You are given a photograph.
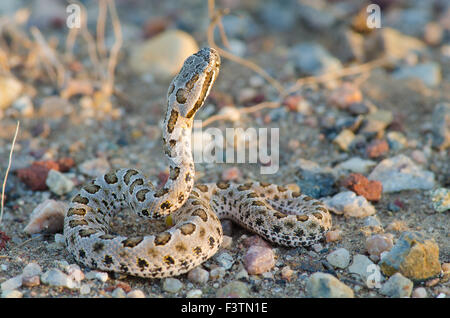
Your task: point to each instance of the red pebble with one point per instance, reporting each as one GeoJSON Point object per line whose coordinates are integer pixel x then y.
{"type": "Point", "coordinates": [370, 189]}
{"type": "Point", "coordinates": [255, 240]}
{"type": "Point", "coordinates": [377, 148]}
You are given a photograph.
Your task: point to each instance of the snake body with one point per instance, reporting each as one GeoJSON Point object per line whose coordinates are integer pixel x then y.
{"type": "Point", "coordinates": [277, 213]}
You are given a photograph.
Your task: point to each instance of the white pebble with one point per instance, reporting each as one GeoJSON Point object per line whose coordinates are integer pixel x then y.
{"type": "Point", "coordinates": [172, 285]}
{"type": "Point", "coordinates": [48, 216]}
{"type": "Point", "coordinates": [225, 260]}
{"type": "Point", "coordinates": [101, 276]}
{"type": "Point", "coordinates": [85, 289]}
{"type": "Point", "coordinates": [226, 242]}
{"type": "Point", "coordinates": [58, 182]}
{"type": "Point", "coordinates": [75, 273]}
{"type": "Point", "coordinates": [12, 283]}
{"type": "Point", "coordinates": [11, 294]}
{"type": "Point", "coordinates": [419, 292]}
{"type": "Point", "coordinates": [339, 258]}
{"type": "Point", "coordinates": [54, 277]}
{"type": "Point", "coordinates": [136, 294]}
{"type": "Point", "coordinates": [118, 293]}
{"type": "Point", "coordinates": [32, 269]}
{"type": "Point", "coordinates": [195, 293]}
{"type": "Point", "coordinates": [217, 273]}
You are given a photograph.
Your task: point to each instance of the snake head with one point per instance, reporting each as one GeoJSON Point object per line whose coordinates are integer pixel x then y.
{"type": "Point", "coordinates": [192, 84]}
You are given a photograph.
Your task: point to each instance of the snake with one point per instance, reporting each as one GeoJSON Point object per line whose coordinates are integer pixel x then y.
{"type": "Point", "coordinates": [277, 213]}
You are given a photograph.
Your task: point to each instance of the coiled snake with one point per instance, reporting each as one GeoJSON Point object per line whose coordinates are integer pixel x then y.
{"type": "Point", "coordinates": [276, 213]}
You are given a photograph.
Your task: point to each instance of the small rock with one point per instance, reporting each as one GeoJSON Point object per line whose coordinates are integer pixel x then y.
{"type": "Point", "coordinates": [48, 217]}
{"type": "Point", "coordinates": [11, 294]}
{"type": "Point", "coordinates": [314, 17]}
{"type": "Point", "coordinates": [397, 286]}
{"type": "Point", "coordinates": [226, 242]}
{"type": "Point", "coordinates": [419, 292]}
{"type": "Point", "coordinates": [235, 289]}
{"type": "Point", "coordinates": [396, 140]}
{"type": "Point", "coordinates": [10, 89]}
{"type": "Point", "coordinates": [349, 204]}
{"type": "Point", "coordinates": [315, 184]}
{"type": "Point", "coordinates": [345, 95]}
{"type": "Point", "coordinates": [231, 174]}
{"type": "Point", "coordinates": [359, 184]}
{"type": "Point", "coordinates": [379, 243]}
{"type": "Point", "coordinates": [255, 240]}
{"type": "Point", "coordinates": [433, 34]}
{"type": "Point", "coordinates": [59, 239]}
{"type": "Point", "coordinates": [163, 55]}
{"type": "Point", "coordinates": [400, 173]}
{"type": "Point", "coordinates": [372, 221]}
{"type": "Point", "coordinates": [348, 46]}
{"type": "Point", "coordinates": [377, 148]}
{"type": "Point", "coordinates": [217, 272]}
{"type": "Point", "coordinates": [198, 275]}
{"type": "Point", "coordinates": [377, 122]}
{"type": "Point", "coordinates": [344, 139]}
{"type": "Point", "coordinates": [58, 183]}
{"type": "Point", "coordinates": [322, 285]}
{"type": "Point", "coordinates": [259, 259]}
{"type": "Point", "coordinates": [75, 273]}
{"type": "Point", "coordinates": [194, 293]}
{"type": "Point", "coordinates": [85, 289]}
{"type": "Point", "coordinates": [100, 276]}
{"type": "Point", "coordinates": [313, 59]}
{"type": "Point", "coordinates": [12, 283]}
{"type": "Point", "coordinates": [339, 258]}
{"type": "Point", "coordinates": [137, 293]}
{"type": "Point", "coordinates": [333, 236]}
{"type": "Point", "coordinates": [225, 260]}
{"type": "Point", "coordinates": [242, 274]}
{"type": "Point", "coordinates": [31, 281]}
{"type": "Point", "coordinates": [441, 199]}
{"type": "Point", "coordinates": [429, 73]}
{"type": "Point", "coordinates": [357, 165]}
{"type": "Point", "coordinates": [95, 167]}
{"type": "Point", "coordinates": [24, 106]}
{"type": "Point", "coordinates": [287, 273]}
{"type": "Point", "coordinates": [54, 277]}
{"type": "Point", "coordinates": [414, 255]}
{"type": "Point", "coordinates": [441, 126]}
{"type": "Point", "coordinates": [32, 269]}
{"type": "Point", "coordinates": [419, 156]}
{"type": "Point", "coordinates": [172, 285]}
{"type": "Point", "coordinates": [118, 293]}
{"type": "Point", "coordinates": [54, 107]}
{"type": "Point", "coordinates": [360, 266]}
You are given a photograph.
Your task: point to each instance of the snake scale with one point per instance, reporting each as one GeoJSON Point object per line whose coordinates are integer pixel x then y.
{"type": "Point", "coordinates": [280, 215]}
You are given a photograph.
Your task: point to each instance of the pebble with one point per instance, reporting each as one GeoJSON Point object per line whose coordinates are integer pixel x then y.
{"type": "Point", "coordinates": [377, 122]}
{"type": "Point", "coordinates": [370, 189]}
{"type": "Point", "coordinates": [315, 184]}
{"type": "Point", "coordinates": [397, 286]}
{"type": "Point", "coordinates": [441, 126]}
{"type": "Point", "coordinates": [172, 285]}
{"type": "Point", "coordinates": [345, 95]}
{"type": "Point", "coordinates": [315, 18]}
{"type": "Point", "coordinates": [314, 59]}
{"type": "Point", "coordinates": [322, 285]}
{"type": "Point", "coordinates": [419, 156]}
{"type": "Point", "coordinates": [194, 293]}
{"type": "Point", "coordinates": [379, 243]}
{"type": "Point", "coordinates": [226, 242]}
{"type": "Point", "coordinates": [217, 273]}
{"type": "Point", "coordinates": [242, 274]}
{"type": "Point", "coordinates": [54, 277]}
{"type": "Point", "coordinates": [339, 258]}
{"type": "Point", "coordinates": [429, 73]}
{"type": "Point", "coordinates": [59, 183]}
{"type": "Point", "coordinates": [440, 199]}
{"type": "Point", "coordinates": [333, 236]}
{"type": "Point", "coordinates": [85, 289]}
{"type": "Point", "coordinates": [100, 276]}
{"type": "Point", "coordinates": [11, 294]}
{"type": "Point", "coordinates": [31, 269]}
{"type": "Point", "coordinates": [348, 45]}
{"type": "Point", "coordinates": [75, 273]}
{"type": "Point", "coordinates": [344, 139]}
{"type": "Point", "coordinates": [95, 167]}
{"type": "Point", "coordinates": [12, 283]}
{"type": "Point", "coordinates": [137, 293]}
{"type": "Point", "coordinates": [372, 221]}
{"type": "Point", "coordinates": [414, 255]}
{"type": "Point", "coordinates": [198, 275]}
{"type": "Point", "coordinates": [59, 239]}
{"type": "Point", "coordinates": [118, 293]}
{"type": "Point", "coordinates": [349, 204]}
{"type": "Point", "coordinates": [259, 260]}
{"type": "Point", "coordinates": [31, 281]}
{"type": "Point", "coordinates": [401, 173]}
{"type": "Point", "coordinates": [54, 107]}
{"type": "Point", "coordinates": [377, 148]}
{"type": "Point", "coordinates": [396, 140]}
{"type": "Point", "coordinates": [163, 55]}
{"type": "Point", "coordinates": [419, 292]}
{"type": "Point", "coordinates": [278, 17]}
{"type": "Point", "coordinates": [234, 289]}
{"type": "Point", "coordinates": [360, 266]}
{"type": "Point", "coordinates": [357, 165]}
{"type": "Point", "coordinates": [225, 260]}
{"type": "Point", "coordinates": [10, 89]}
{"type": "Point", "coordinates": [24, 106]}
{"type": "Point", "coordinates": [48, 217]}
{"type": "Point", "coordinates": [231, 174]}
{"type": "Point", "coordinates": [287, 273]}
